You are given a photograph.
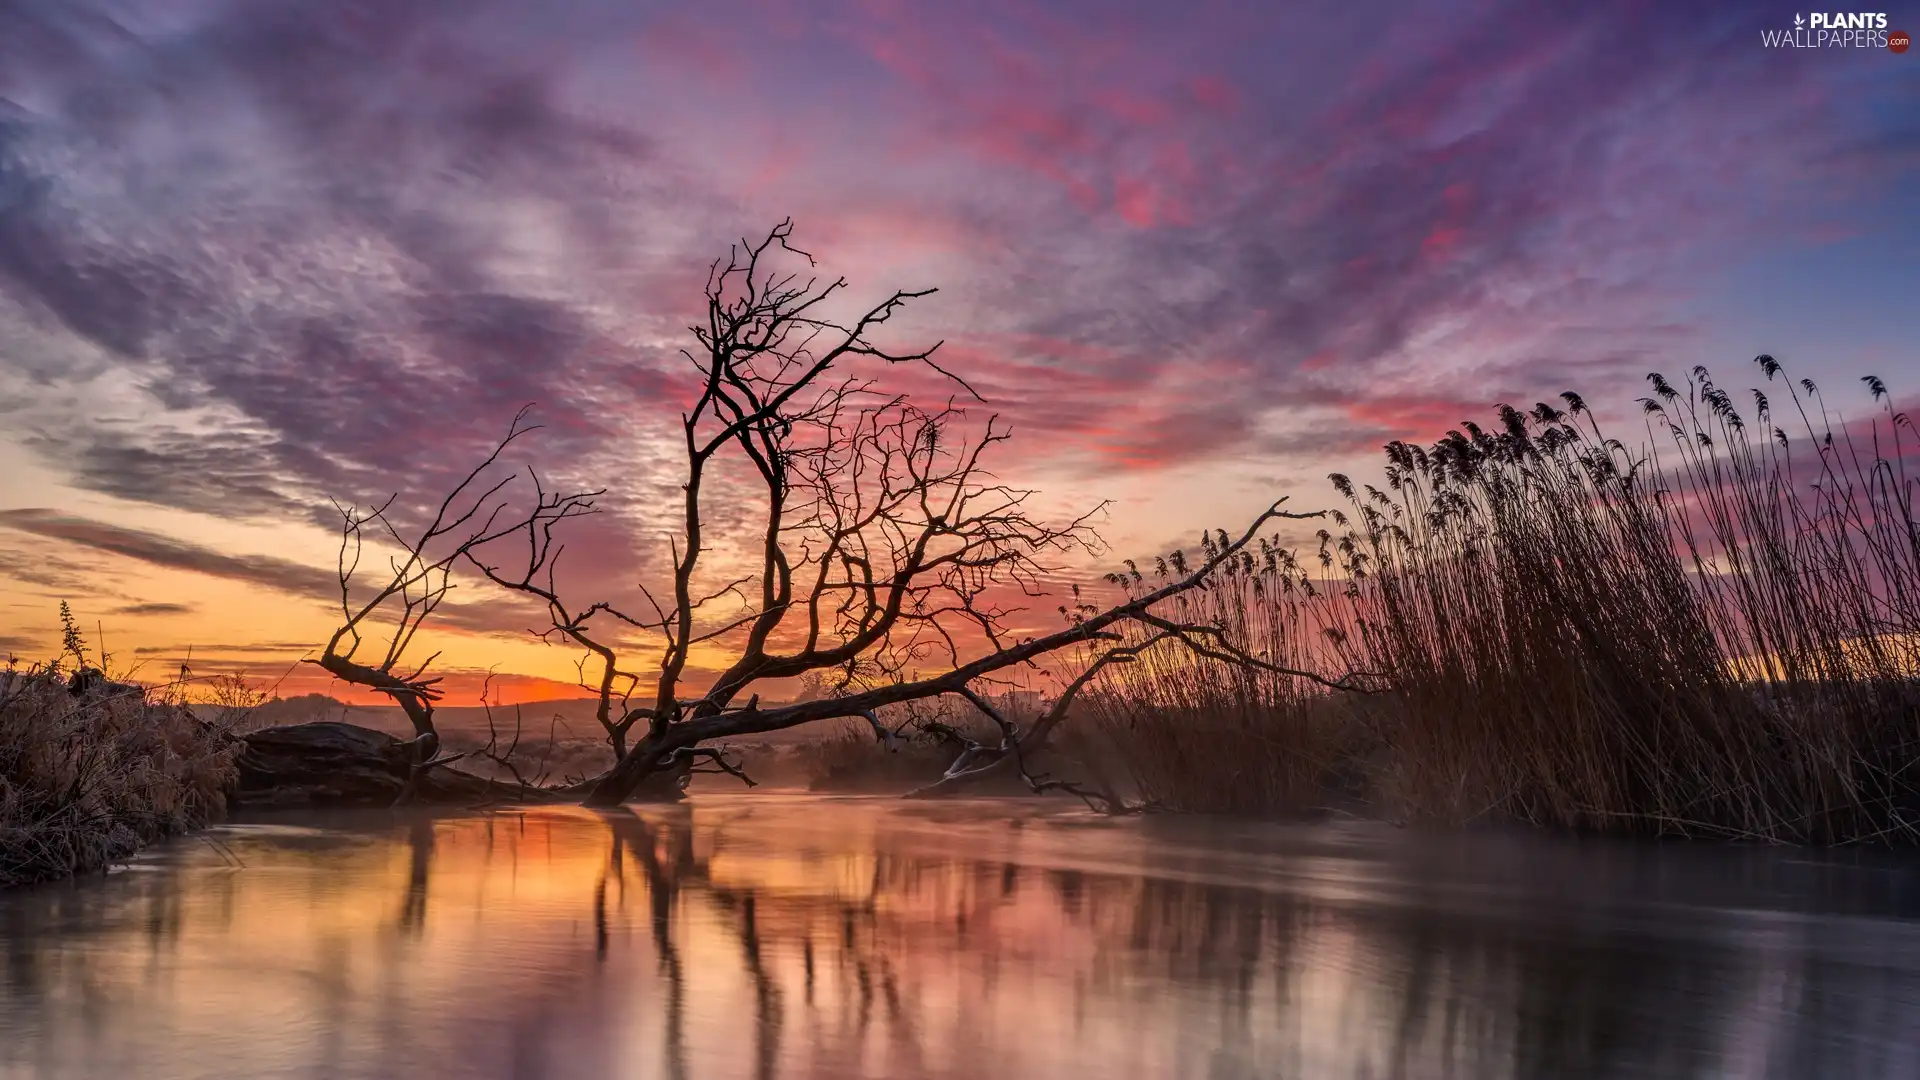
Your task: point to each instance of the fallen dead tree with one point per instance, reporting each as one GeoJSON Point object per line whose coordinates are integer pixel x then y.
{"type": "Point", "coordinates": [330, 763]}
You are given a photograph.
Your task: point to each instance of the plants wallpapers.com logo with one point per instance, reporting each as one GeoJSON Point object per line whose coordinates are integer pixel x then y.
{"type": "Point", "coordinates": [1838, 29]}
{"type": "Point", "coordinates": [1842, 30]}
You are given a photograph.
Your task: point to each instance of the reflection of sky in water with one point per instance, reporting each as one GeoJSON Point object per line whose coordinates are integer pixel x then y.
{"type": "Point", "coordinates": [860, 938]}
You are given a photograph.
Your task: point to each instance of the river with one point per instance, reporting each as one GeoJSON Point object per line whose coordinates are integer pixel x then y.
{"type": "Point", "coordinates": [813, 937]}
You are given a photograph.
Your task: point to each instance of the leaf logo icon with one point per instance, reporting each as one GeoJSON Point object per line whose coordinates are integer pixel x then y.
{"type": "Point", "coordinates": [1798, 21]}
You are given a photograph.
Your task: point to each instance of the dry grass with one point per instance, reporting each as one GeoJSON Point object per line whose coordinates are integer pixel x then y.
{"type": "Point", "coordinates": [1207, 736]}
{"type": "Point", "coordinates": [847, 758]}
{"type": "Point", "coordinates": [1716, 635]}
{"type": "Point", "coordinates": [87, 779]}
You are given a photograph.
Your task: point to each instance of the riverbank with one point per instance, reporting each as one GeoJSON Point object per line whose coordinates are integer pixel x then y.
{"type": "Point", "coordinates": [93, 770]}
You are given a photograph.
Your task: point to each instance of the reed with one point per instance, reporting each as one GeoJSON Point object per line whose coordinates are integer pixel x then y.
{"type": "Point", "coordinates": [1713, 633]}
{"type": "Point", "coordinates": [1207, 735]}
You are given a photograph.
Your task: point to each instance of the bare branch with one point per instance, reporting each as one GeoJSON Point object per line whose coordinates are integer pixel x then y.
{"type": "Point", "coordinates": [714, 755]}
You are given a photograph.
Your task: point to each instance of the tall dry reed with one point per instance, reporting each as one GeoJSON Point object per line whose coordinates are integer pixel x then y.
{"type": "Point", "coordinates": [1717, 633]}
{"type": "Point", "coordinates": [1208, 735]}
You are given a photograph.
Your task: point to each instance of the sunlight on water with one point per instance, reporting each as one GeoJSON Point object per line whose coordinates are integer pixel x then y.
{"type": "Point", "coordinates": [763, 936]}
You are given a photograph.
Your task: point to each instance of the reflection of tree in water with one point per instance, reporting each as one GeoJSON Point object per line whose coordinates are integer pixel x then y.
{"type": "Point", "coordinates": [413, 908]}
{"type": "Point", "coordinates": [1267, 983]}
{"type": "Point", "coordinates": [663, 852]}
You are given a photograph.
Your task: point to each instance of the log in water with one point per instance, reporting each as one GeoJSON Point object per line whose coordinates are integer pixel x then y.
{"type": "Point", "coordinates": [813, 937]}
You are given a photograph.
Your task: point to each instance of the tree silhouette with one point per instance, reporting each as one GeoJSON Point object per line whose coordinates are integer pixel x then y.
{"type": "Point", "coordinates": [882, 546]}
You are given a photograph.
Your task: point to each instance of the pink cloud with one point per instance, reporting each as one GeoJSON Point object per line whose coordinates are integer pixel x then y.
{"type": "Point", "coordinates": [1069, 109]}
{"type": "Point", "coordinates": [1408, 416]}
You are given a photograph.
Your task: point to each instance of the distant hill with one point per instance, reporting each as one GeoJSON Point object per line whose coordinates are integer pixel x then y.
{"type": "Point", "coordinates": [299, 710]}
{"type": "Point", "coordinates": [575, 715]}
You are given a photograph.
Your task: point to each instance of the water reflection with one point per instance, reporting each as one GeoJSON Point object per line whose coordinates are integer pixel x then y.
{"type": "Point", "coordinates": [772, 936]}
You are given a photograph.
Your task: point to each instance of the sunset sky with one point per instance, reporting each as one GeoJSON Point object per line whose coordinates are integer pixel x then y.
{"type": "Point", "coordinates": [259, 253]}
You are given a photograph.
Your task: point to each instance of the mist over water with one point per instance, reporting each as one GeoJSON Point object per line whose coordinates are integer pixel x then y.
{"type": "Point", "coordinates": [800, 936]}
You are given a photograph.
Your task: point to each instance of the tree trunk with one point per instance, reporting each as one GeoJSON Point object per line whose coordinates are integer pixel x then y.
{"type": "Point", "coordinates": [639, 774]}
{"type": "Point", "coordinates": [329, 763]}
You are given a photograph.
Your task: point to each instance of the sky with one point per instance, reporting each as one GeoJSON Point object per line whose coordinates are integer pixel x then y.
{"type": "Point", "coordinates": [258, 255]}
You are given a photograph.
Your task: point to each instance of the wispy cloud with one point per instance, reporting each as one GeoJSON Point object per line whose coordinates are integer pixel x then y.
{"type": "Point", "coordinates": [48, 571]}
{"type": "Point", "coordinates": [266, 570]}
{"type": "Point", "coordinates": [257, 648]}
{"type": "Point", "coordinates": [142, 610]}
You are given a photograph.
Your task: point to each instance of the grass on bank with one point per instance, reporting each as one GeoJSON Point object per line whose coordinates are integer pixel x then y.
{"type": "Point", "coordinates": [92, 770]}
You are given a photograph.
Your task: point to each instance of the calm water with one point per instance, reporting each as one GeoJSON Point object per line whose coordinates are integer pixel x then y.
{"type": "Point", "coordinates": [791, 936]}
